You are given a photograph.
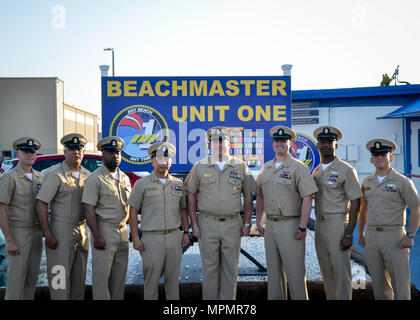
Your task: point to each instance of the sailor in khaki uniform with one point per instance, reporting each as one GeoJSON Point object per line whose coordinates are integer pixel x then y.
{"type": "Point", "coordinates": [19, 222]}
{"type": "Point", "coordinates": [162, 201]}
{"type": "Point", "coordinates": [219, 180]}
{"type": "Point", "coordinates": [337, 204]}
{"type": "Point", "coordinates": [105, 197]}
{"type": "Point", "coordinates": [66, 236]}
{"type": "Point", "coordinates": [286, 190]}
{"type": "Point", "coordinates": [386, 195]}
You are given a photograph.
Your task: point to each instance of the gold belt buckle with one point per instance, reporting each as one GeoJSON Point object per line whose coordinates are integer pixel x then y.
{"type": "Point", "coordinates": [275, 219]}
{"type": "Point", "coordinates": [379, 229]}
{"type": "Point", "coordinates": [36, 225]}
{"type": "Point", "coordinates": [322, 218]}
{"type": "Point", "coordinates": [167, 231]}
{"type": "Point", "coordinates": [222, 218]}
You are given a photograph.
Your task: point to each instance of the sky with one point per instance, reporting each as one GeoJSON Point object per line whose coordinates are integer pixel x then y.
{"type": "Point", "coordinates": [330, 43]}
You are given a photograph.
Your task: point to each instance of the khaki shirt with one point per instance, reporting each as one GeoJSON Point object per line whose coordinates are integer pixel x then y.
{"type": "Point", "coordinates": [159, 204]}
{"type": "Point", "coordinates": [18, 192]}
{"type": "Point", "coordinates": [108, 195]}
{"type": "Point", "coordinates": [283, 188]}
{"type": "Point", "coordinates": [387, 201]}
{"type": "Point", "coordinates": [337, 186]}
{"type": "Point", "coordinates": [63, 190]}
{"type": "Point", "coordinates": [220, 191]}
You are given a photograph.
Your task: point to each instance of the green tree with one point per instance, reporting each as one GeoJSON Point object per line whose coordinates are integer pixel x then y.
{"type": "Point", "coordinates": [386, 80]}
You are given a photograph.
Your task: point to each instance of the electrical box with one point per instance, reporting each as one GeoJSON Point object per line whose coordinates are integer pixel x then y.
{"type": "Point", "coordinates": [352, 152]}
{"type": "Point", "coordinates": [341, 152]}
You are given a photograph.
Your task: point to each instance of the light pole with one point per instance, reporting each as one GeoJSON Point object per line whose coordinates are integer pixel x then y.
{"type": "Point", "coordinates": [111, 49]}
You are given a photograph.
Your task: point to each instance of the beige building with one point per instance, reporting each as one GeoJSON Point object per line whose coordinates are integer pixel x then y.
{"type": "Point", "coordinates": [83, 122]}
{"type": "Point", "coordinates": [35, 107]}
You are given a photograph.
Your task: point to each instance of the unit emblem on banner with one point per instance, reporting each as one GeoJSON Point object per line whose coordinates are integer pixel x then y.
{"type": "Point", "coordinates": [304, 148]}
{"type": "Point", "coordinates": [139, 126]}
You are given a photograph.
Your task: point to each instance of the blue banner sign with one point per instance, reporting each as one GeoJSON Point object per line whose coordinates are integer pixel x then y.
{"type": "Point", "coordinates": [145, 110]}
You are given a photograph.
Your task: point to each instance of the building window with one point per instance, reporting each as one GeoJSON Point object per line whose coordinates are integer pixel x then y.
{"type": "Point", "coordinates": [6, 154]}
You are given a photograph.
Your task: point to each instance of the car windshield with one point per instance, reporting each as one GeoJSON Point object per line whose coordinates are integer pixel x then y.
{"type": "Point", "coordinates": [89, 163]}
{"type": "Point", "coordinates": [44, 164]}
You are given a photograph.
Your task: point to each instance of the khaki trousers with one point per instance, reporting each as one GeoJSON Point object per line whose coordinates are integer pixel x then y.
{"type": "Point", "coordinates": [71, 253]}
{"type": "Point", "coordinates": [333, 262]}
{"type": "Point", "coordinates": [162, 255]}
{"type": "Point", "coordinates": [388, 264]}
{"type": "Point", "coordinates": [109, 266]}
{"type": "Point", "coordinates": [285, 258]}
{"type": "Point", "coordinates": [220, 245]}
{"type": "Point", "coordinates": [23, 269]}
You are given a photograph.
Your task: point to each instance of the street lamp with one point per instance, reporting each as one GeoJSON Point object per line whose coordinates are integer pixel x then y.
{"type": "Point", "coordinates": [111, 49]}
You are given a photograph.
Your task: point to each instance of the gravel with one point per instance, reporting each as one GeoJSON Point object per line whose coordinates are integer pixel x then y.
{"type": "Point", "coordinates": [253, 245]}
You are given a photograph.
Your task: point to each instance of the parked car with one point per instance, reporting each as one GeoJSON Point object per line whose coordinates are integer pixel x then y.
{"type": "Point", "coordinates": [6, 165]}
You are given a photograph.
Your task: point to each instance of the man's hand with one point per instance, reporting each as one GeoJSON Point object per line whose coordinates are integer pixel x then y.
{"type": "Point", "coordinates": [261, 229]}
{"type": "Point", "coordinates": [99, 243]}
{"type": "Point", "coordinates": [406, 242]}
{"type": "Point", "coordinates": [196, 231]}
{"type": "Point", "coordinates": [300, 235]}
{"type": "Point", "coordinates": [245, 231]}
{"type": "Point", "coordinates": [50, 241]}
{"type": "Point", "coordinates": [346, 243]}
{"type": "Point", "coordinates": [138, 245]}
{"type": "Point", "coordinates": [12, 248]}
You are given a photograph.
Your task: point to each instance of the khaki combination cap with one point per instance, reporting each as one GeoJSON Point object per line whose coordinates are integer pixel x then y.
{"type": "Point", "coordinates": [381, 146]}
{"type": "Point", "coordinates": [282, 132]}
{"type": "Point", "coordinates": [162, 149]}
{"type": "Point", "coordinates": [328, 132]}
{"type": "Point", "coordinates": [219, 133]}
{"type": "Point", "coordinates": [112, 143]}
{"type": "Point", "coordinates": [73, 140]}
{"type": "Point", "coordinates": [27, 144]}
